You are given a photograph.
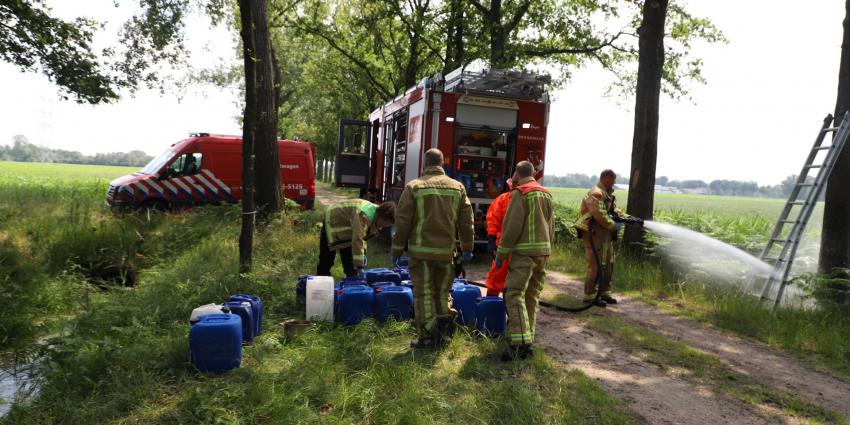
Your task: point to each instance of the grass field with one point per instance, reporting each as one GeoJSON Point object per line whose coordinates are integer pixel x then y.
{"type": "Point", "coordinates": [112, 354]}
{"type": "Point", "coordinates": [30, 171]}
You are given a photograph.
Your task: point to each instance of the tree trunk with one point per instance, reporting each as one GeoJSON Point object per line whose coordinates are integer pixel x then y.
{"type": "Point", "coordinates": [246, 237]}
{"type": "Point", "coordinates": [497, 35]}
{"type": "Point", "coordinates": [267, 161]}
{"type": "Point", "coordinates": [835, 239]}
{"type": "Point", "coordinates": [454, 38]}
{"type": "Point", "coordinates": [645, 140]}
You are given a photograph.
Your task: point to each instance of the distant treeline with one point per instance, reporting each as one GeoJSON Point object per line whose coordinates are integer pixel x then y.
{"type": "Point", "coordinates": [664, 184]}
{"type": "Point", "coordinates": [22, 150]}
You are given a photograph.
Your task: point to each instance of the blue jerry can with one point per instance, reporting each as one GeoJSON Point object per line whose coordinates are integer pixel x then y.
{"type": "Point", "coordinates": [464, 297]}
{"type": "Point", "coordinates": [492, 317]}
{"type": "Point", "coordinates": [215, 343]}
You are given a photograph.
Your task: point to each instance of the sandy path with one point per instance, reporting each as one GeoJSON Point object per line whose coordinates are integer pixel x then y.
{"type": "Point", "coordinates": [765, 365]}
{"type": "Point", "coordinates": [328, 197]}
{"type": "Point", "coordinates": [658, 395]}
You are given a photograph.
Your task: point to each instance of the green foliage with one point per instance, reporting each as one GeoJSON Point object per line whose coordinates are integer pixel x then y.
{"type": "Point", "coordinates": [33, 40]}
{"type": "Point", "coordinates": [831, 291]}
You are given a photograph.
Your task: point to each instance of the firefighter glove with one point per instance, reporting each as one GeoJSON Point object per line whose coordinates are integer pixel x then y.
{"type": "Point", "coordinates": [617, 227]}
{"type": "Point", "coordinates": [491, 246]}
{"type": "Point", "coordinates": [499, 263]}
{"type": "Point", "coordinates": [467, 257]}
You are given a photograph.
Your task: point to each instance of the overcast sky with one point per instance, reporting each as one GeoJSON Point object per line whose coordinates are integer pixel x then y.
{"type": "Point", "coordinates": [767, 93]}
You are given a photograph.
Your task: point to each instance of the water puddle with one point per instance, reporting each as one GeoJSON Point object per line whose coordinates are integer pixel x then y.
{"type": "Point", "coordinates": [16, 385]}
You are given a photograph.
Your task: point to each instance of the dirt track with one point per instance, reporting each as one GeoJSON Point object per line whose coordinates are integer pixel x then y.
{"type": "Point", "coordinates": [664, 395]}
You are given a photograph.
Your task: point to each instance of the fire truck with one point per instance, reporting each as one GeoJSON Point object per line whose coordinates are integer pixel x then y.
{"type": "Point", "coordinates": [483, 120]}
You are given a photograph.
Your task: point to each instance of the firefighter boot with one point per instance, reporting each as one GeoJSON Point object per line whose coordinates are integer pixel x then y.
{"type": "Point", "coordinates": [525, 351]}
{"type": "Point", "coordinates": [421, 342]}
{"type": "Point", "coordinates": [606, 296]}
{"type": "Point", "coordinates": [510, 353]}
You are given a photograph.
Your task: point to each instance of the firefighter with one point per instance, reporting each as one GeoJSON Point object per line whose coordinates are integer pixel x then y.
{"type": "Point", "coordinates": [598, 205]}
{"type": "Point", "coordinates": [432, 210]}
{"type": "Point", "coordinates": [495, 215]}
{"type": "Point", "coordinates": [346, 228]}
{"type": "Point", "coordinates": [527, 234]}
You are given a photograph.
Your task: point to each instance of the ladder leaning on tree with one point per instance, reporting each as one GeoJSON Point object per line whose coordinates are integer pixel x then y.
{"type": "Point", "coordinates": [786, 243]}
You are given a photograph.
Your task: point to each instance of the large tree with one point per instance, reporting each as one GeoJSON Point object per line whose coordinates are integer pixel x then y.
{"type": "Point", "coordinates": [647, 97]}
{"type": "Point", "coordinates": [835, 239]}
{"type": "Point", "coordinates": [34, 40]}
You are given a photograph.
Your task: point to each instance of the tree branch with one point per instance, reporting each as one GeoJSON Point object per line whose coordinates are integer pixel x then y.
{"type": "Point", "coordinates": [523, 9]}
{"type": "Point", "coordinates": [484, 11]}
{"type": "Point", "coordinates": [572, 51]}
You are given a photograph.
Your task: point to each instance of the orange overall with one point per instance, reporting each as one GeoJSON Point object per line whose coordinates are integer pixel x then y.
{"type": "Point", "coordinates": [495, 215]}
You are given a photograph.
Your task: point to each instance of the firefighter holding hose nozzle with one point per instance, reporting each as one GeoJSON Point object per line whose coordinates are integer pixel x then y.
{"type": "Point", "coordinates": [599, 206]}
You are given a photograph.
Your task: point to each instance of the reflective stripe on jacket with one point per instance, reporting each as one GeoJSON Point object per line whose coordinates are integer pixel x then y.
{"type": "Point", "coordinates": [432, 210]}
{"type": "Point", "coordinates": [528, 227]}
{"type": "Point", "coordinates": [596, 205]}
{"type": "Point", "coordinates": [496, 214]}
{"type": "Point", "coordinates": [351, 224]}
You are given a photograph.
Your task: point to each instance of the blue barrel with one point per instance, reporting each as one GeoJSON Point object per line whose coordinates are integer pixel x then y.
{"type": "Point", "coordinates": [464, 298]}
{"type": "Point", "coordinates": [383, 276]}
{"type": "Point", "coordinates": [354, 280]}
{"type": "Point", "coordinates": [395, 302]}
{"type": "Point", "coordinates": [458, 281]}
{"type": "Point", "coordinates": [301, 288]}
{"type": "Point", "coordinates": [215, 343]}
{"type": "Point", "coordinates": [244, 311]}
{"type": "Point", "coordinates": [492, 317]}
{"type": "Point", "coordinates": [369, 275]}
{"type": "Point", "coordinates": [355, 303]}
{"type": "Point", "coordinates": [403, 273]}
{"type": "Point", "coordinates": [407, 283]}
{"type": "Point", "coordinates": [256, 309]}
{"type": "Point", "coordinates": [382, 284]}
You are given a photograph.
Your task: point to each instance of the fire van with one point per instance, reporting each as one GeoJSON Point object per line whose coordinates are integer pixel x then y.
{"type": "Point", "coordinates": [483, 120]}
{"type": "Point", "coordinates": [207, 169]}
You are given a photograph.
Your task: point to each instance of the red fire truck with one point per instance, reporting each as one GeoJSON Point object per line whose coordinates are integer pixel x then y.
{"type": "Point", "coordinates": [483, 120]}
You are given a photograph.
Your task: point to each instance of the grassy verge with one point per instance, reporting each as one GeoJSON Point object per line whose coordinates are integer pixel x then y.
{"type": "Point", "coordinates": [115, 354]}
{"type": "Point", "coordinates": [666, 353]}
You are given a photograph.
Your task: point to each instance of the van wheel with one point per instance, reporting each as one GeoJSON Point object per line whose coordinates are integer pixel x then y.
{"type": "Point", "coordinates": [154, 207]}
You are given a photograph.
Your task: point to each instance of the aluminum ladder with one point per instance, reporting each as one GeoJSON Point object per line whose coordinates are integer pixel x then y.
{"type": "Point", "coordinates": [806, 200]}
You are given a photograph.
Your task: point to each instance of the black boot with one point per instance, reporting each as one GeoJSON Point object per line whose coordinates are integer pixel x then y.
{"type": "Point", "coordinates": [511, 353]}
{"type": "Point", "coordinates": [525, 351]}
{"type": "Point", "coordinates": [422, 343]}
{"type": "Point", "coordinates": [608, 299]}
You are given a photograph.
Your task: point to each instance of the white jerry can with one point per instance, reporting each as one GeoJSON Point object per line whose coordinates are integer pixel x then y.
{"type": "Point", "coordinates": [320, 299]}
{"type": "Point", "coordinates": [205, 310]}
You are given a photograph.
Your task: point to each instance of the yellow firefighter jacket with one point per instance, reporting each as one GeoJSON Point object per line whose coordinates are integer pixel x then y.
{"type": "Point", "coordinates": [528, 227]}
{"type": "Point", "coordinates": [432, 210]}
{"type": "Point", "coordinates": [351, 224]}
{"type": "Point", "coordinates": [596, 205]}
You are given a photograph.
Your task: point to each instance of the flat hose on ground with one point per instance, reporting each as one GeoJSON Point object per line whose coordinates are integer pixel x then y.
{"type": "Point", "coordinates": [600, 274]}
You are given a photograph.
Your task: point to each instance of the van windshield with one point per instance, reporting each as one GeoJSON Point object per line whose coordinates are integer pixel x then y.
{"type": "Point", "coordinates": [158, 162]}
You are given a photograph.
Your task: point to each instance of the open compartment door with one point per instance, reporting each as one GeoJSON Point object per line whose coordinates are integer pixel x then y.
{"type": "Point", "coordinates": [353, 154]}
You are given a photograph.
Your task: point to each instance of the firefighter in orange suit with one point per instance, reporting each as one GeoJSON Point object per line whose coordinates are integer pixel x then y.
{"type": "Point", "coordinates": [433, 212]}
{"type": "Point", "coordinates": [527, 234]}
{"type": "Point", "coordinates": [495, 215]}
{"type": "Point", "coordinates": [598, 205]}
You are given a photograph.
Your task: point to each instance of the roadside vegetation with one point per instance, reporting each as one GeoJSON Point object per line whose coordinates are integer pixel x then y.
{"type": "Point", "coordinates": [816, 334]}
{"type": "Point", "coordinates": [110, 350]}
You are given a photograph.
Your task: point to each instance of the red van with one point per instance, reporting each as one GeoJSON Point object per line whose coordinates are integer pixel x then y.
{"type": "Point", "coordinates": [205, 169]}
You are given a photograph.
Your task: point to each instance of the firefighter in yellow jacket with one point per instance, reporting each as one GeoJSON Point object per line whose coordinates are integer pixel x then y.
{"type": "Point", "coordinates": [346, 228]}
{"type": "Point", "coordinates": [527, 234]}
{"type": "Point", "coordinates": [599, 205]}
{"type": "Point", "coordinates": [433, 209]}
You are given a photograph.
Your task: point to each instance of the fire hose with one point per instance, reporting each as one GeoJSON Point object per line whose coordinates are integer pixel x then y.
{"type": "Point", "coordinates": [600, 267]}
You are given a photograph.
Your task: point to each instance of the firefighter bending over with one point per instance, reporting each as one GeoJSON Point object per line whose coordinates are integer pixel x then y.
{"type": "Point", "coordinates": [432, 210]}
{"type": "Point", "coordinates": [346, 228]}
{"type": "Point", "coordinates": [527, 234]}
{"type": "Point", "coordinates": [600, 206]}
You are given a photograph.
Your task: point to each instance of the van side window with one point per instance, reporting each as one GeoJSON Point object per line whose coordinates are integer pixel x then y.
{"type": "Point", "coordinates": [185, 165]}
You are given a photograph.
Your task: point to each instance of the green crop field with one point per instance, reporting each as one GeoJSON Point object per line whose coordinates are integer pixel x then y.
{"type": "Point", "coordinates": [32, 171]}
